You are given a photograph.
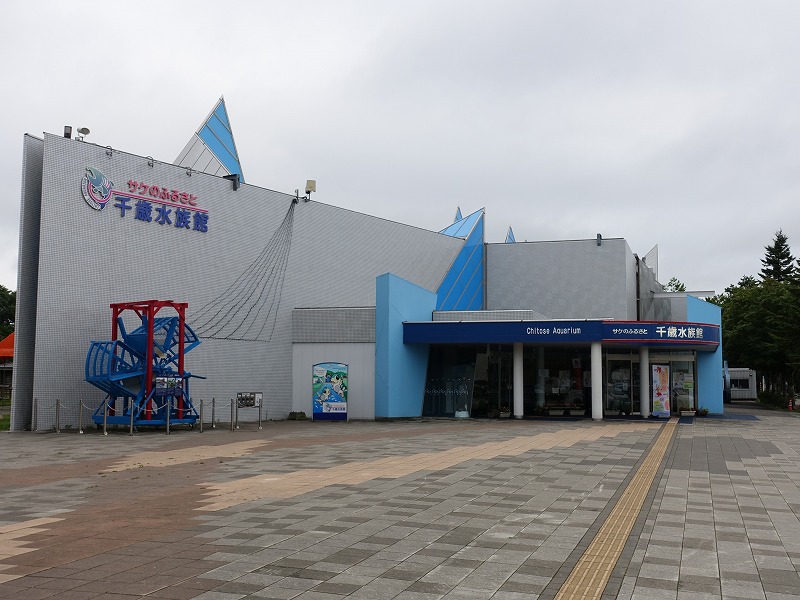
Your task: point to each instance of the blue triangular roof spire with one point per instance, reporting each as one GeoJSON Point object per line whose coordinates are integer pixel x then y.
{"type": "Point", "coordinates": [463, 226]}
{"type": "Point", "coordinates": [458, 215]}
{"type": "Point", "coordinates": [510, 236]}
{"type": "Point", "coordinates": [212, 148]}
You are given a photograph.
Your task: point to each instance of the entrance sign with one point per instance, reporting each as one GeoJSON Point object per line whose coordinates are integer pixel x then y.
{"type": "Point", "coordinates": [329, 388]}
{"type": "Point", "coordinates": [148, 203]}
{"type": "Point", "coordinates": [661, 406]}
{"type": "Point", "coordinates": [699, 336]}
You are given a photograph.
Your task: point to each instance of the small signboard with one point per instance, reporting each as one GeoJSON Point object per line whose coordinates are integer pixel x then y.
{"type": "Point", "coordinates": [168, 386]}
{"type": "Point", "coordinates": [248, 399]}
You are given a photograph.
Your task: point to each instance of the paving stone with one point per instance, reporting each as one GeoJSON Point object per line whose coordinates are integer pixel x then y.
{"type": "Point", "coordinates": [508, 521]}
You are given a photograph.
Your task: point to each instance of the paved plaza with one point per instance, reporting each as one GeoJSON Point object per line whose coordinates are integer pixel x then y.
{"type": "Point", "coordinates": [411, 510]}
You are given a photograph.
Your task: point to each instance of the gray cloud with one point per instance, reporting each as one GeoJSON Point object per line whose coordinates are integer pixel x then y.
{"type": "Point", "coordinates": [664, 123]}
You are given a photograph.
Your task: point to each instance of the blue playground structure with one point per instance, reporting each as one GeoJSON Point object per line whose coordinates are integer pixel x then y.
{"type": "Point", "coordinates": [142, 372]}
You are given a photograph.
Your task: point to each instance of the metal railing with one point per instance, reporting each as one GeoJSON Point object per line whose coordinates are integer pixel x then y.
{"type": "Point", "coordinates": [59, 416]}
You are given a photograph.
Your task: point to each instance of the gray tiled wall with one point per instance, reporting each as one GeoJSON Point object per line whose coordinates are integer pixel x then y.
{"type": "Point", "coordinates": [564, 280]}
{"type": "Point", "coordinates": [27, 278]}
{"type": "Point", "coordinates": [89, 259]}
{"type": "Point", "coordinates": [333, 325]}
{"type": "Point", "coordinates": [652, 308]}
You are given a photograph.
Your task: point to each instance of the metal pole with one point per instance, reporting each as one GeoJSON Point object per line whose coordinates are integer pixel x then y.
{"type": "Point", "coordinates": [80, 416]}
{"type": "Point", "coordinates": [201, 416]}
{"type": "Point", "coordinates": [33, 417]}
{"type": "Point", "coordinates": [169, 410]}
{"type": "Point", "coordinates": [232, 414]}
{"type": "Point", "coordinates": [259, 415]}
{"type": "Point", "coordinates": [58, 415]}
{"type": "Point", "coordinates": [105, 416]}
{"type": "Point", "coordinates": [237, 414]}
{"type": "Point", "coordinates": [213, 410]}
{"type": "Point", "coordinates": [132, 408]}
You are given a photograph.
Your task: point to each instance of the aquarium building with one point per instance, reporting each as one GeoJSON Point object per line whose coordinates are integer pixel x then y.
{"type": "Point", "coordinates": [338, 314]}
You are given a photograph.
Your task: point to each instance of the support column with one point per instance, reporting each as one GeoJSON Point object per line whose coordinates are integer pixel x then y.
{"type": "Point", "coordinates": [597, 381]}
{"type": "Point", "coordinates": [518, 381]}
{"type": "Point", "coordinates": [644, 381]}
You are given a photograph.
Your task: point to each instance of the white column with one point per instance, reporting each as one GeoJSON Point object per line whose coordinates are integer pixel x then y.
{"type": "Point", "coordinates": [518, 381]}
{"type": "Point", "coordinates": [597, 381]}
{"type": "Point", "coordinates": [644, 381]}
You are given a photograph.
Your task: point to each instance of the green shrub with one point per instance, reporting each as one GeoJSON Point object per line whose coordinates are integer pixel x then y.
{"type": "Point", "coordinates": [773, 399]}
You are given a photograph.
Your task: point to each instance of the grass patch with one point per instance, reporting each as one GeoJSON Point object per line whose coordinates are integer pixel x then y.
{"type": "Point", "coordinates": [5, 422]}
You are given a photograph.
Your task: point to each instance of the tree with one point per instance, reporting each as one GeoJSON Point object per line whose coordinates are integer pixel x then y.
{"type": "Point", "coordinates": [778, 261]}
{"type": "Point", "coordinates": [675, 285]}
{"type": "Point", "coordinates": [760, 327]}
{"type": "Point", "coordinates": [746, 282]}
{"type": "Point", "coordinates": [8, 303]}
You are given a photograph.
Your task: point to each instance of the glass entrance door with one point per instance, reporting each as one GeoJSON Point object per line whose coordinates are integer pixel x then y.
{"type": "Point", "coordinates": [682, 386]}
{"type": "Point", "coordinates": [619, 386]}
{"type": "Point", "coordinates": [682, 389]}
{"type": "Point", "coordinates": [500, 385]}
{"type": "Point", "coordinates": [623, 387]}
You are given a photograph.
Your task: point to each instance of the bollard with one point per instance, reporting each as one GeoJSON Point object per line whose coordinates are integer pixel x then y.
{"type": "Point", "coordinates": [168, 404]}
{"type": "Point", "coordinates": [33, 414]}
{"type": "Point", "coordinates": [237, 414]}
{"type": "Point", "coordinates": [80, 416]}
{"type": "Point", "coordinates": [105, 416]}
{"type": "Point", "coordinates": [132, 407]}
{"type": "Point", "coordinates": [259, 416]}
{"type": "Point", "coordinates": [201, 416]}
{"type": "Point", "coordinates": [58, 415]}
{"type": "Point", "coordinates": [213, 424]}
{"type": "Point", "coordinates": [232, 414]}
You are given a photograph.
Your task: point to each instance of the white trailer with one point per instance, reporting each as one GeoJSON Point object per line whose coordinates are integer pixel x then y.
{"type": "Point", "coordinates": [743, 383]}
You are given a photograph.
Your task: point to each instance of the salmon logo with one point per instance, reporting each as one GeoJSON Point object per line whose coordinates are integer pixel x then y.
{"type": "Point", "coordinates": [96, 188]}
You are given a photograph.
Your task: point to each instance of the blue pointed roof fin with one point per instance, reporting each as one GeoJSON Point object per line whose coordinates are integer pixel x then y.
{"type": "Point", "coordinates": [212, 148]}
{"type": "Point", "coordinates": [463, 227]}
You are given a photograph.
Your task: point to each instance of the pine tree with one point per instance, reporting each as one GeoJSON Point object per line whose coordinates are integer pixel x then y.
{"type": "Point", "coordinates": [675, 285]}
{"type": "Point", "coordinates": [778, 261]}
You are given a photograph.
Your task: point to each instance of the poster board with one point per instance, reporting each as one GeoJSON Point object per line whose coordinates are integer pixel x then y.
{"type": "Point", "coordinates": [661, 407]}
{"type": "Point", "coordinates": [329, 390]}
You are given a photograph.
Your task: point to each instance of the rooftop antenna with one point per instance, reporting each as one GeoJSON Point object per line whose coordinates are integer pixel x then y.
{"type": "Point", "coordinates": [82, 133]}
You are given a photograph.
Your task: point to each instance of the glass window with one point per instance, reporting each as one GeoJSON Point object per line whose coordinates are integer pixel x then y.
{"type": "Point", "coordinates": [557, 381]}
{"type": "Point", "coordinates": [449, 384]}
{"type": "Point", "coordinates": [682, 385]}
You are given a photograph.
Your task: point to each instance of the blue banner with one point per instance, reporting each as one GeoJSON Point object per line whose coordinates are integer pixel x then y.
{"type": "Point", "coordinates": [639, 333]}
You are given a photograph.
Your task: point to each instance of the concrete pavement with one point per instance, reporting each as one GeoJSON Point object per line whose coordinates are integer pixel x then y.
{"type": "Point", "coordinates": [416, 510]}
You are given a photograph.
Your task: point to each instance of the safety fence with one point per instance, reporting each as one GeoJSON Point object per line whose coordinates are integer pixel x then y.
{"type": "Point", "coordinates": [59, 416]}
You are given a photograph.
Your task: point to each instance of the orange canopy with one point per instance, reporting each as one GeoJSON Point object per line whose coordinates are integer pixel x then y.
{"type": "Point", "coordinates": [7, 346]}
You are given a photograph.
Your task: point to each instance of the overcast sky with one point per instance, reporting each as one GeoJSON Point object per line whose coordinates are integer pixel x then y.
{"type": "Point", "coordinates": [670, 123]}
